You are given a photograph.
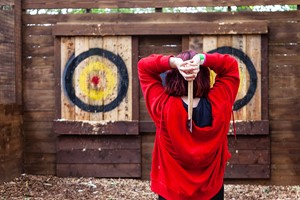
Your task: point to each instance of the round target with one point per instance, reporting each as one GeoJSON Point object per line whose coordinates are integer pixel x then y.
{"type": "Point", "coordinates": [91, 83]}
{"type": "Point", "coordinates": [251, 70]}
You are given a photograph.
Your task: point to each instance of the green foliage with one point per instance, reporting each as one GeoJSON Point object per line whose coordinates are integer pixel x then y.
{"type": "Point", "coordinates": [271, 8]}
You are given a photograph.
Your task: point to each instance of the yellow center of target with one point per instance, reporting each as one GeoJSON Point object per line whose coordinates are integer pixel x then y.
{"type": "Point", "coordinates": [97, 81]}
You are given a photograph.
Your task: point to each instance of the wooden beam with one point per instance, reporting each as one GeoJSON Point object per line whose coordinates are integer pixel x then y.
{"type": "Point", "coordinates": [135, 80]}
{"type": "Point", "coordinates": [64, 127]}
{"type": "Point", "coordinates": [153, 17]}
{"type": "Point", "coordinates": [247, 171]}
{"type": "Point", "coordinates": [264, 77]}
{"type": "Point", "coordinates": [242, 127]}
{"type": "Point", "coordinates": [171, 28]}
{"type": "Point", "coordinates": [112, 170]}
{"type": "Point", "coordinates": [56, 4]}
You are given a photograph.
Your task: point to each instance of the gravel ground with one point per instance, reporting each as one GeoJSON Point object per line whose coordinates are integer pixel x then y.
{"type": "Point", "coordinates": [29, 187]}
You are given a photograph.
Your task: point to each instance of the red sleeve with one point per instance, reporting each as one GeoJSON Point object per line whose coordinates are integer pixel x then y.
{"type": "Point", "coordinates": [149, 70]}
{"type": "Point", "coordinates": [227, 80]}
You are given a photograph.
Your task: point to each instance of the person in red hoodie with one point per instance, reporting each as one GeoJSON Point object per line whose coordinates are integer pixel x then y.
{"type": "Point", "coordinates": [189, 165]}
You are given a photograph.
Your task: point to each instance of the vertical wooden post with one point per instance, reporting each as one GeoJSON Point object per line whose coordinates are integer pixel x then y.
{"type": "Point", "coordinates": [18, 51]}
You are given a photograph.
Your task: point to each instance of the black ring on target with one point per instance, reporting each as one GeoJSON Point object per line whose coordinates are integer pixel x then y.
{"type": "Point", "coordinates": [251, 69]}
{"type": "Point", "coordinates": [73, 62]}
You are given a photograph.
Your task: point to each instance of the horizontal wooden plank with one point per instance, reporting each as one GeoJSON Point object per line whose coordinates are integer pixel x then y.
{"type": "Point", "coordinates": [39, 158]}
{"type": "Point", "coordinates": [64, 127]}
{"type": "Point", "coordinates": [30, 31]}
{"type": "Point", "coordinates": [250, 142]}
{"type": "Point", "coordinates": [250, 157]}
{"type": "Point", "coordinates": [37, 126]}
{"type": "Point", "coordinates": [37, 146]}
{"type": "Point", "coordinates": [36, 51]}
{"type": "Point", "coordinates": [280, 110]}
{"type": "Point", "coordinates": [97, 156]}
{"type": "Point", "coordinates": [55, 4]}
{"type": "Point", "coordinates": [281, 125]}
{"type": "Point", "coordinates": [8, 110]}
{"type": "Point", "coordinates": [11, 146]}
{"type": "Point", "coordinates": [99, 170]}
{"type": "Point", "coordinates": [147, 127]}
{"type": "Point", "coordinates": [286, 136]}
{"type": "Point", "coordinates": [250, 127]}
{"type": "Point", "coordinates": [165, 17]}
{"type": "Point", "coordinates": [242, 127]}
{"type": "Point", "coordinates": [38, 116]}
{"type": "Point", "coordinates": [37, 73]}
{"type": "Point", "coordinates": [181, 28]}
{"type": "Point", "coordinates": [278, 71]}
{"type": "Point", "coordinates": [284, 179]}
{"type": "Point", "coordinates": [10, 169]}
{"type": "Point", "coordinates": [37, 40]}
{"type": "Point", "coordinates": [283, 49]}
{"type": "Point", "coordinates": [39, 100]}
{"type": "Point", "coordinates": [40, 135]}
{"type": "Point", "coordinates": [41, 168]}
{"type": "Point", "coordinates": [284, 158]}
{"type": "Point", "coordinates": [40, 84]}
{"type": "Point", "coordinates": [79, 142]}
{"type": "Point", "coordinates": [247, 172]}
{"type": "Point", "coordinates": [37, 62]}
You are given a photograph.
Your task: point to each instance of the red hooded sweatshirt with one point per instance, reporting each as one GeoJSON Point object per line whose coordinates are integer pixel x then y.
{"type": "Point", "coordinates": [185, 165]}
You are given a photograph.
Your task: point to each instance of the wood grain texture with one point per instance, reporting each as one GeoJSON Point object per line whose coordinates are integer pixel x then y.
{"type": "Point", "coordinates": [31, 4]}
{"type": "Point", "coordinates": [11, 141]}
{"type": "Point", "coordinates": [174, 28]}
{"type": "Point", "coordinates": [283, 92]}
{"type": "Point", "coordinates": [95, 128]}
{"type": "Point", "coordinates": [99, 156]}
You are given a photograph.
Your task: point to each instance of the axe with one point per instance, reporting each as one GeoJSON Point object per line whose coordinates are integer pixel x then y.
{"type": "Point", "coordinates": [190, 106]}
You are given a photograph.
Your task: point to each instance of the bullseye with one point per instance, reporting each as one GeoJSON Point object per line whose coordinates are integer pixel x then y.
{"type": "Point", "coordinates": [90, 74]}
{"type": "Point", "coordinates": [95, 80]}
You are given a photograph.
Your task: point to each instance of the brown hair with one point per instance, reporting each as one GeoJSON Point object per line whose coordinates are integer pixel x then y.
{"type": "Point", "coordinates": [176, 85]}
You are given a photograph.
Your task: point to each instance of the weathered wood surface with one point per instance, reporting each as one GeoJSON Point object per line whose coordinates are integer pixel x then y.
{"type": "Point", "coordinates": [11, 141]}
{"type": "Point", "coordinates": [251, 157]}
{"type": "Point", "coordinates": [242, 127]}
{"type": "Point", "coordinates": [7, 56]}
{"type": "Point", "coordinates": [108, 83]}
{"type": "Point", "coordinates": [99, 170]}
{"type": "Point", "coordinates": [104, 156]}
{"type": "Point", "coordinates": [283, 58]}
{"type": "Point", "coordinates": [29, 4]}
{"type": "Point", "coordinates": [174, 28]}
{"type": "Point", "coordinates": [283, 18]}
{"type": "Point", "coordinates": [250, 45]}
{"type": "Point", "coordinates": [95, 127]}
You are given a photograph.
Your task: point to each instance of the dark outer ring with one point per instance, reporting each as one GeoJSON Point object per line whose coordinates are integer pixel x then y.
{"type": "Point", "coordinates": [73, 62]}
{"type": "Point", "coordinates": [251, 69]}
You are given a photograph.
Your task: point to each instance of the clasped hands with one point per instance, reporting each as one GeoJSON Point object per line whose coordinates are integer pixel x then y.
{"type": "Point", "coordinates": [188, 69]}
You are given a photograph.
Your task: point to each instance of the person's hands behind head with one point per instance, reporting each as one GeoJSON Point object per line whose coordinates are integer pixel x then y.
{"type": "Point", "coordinates": [189, 69]}
{"type": "Point", "coordinates": [175, 62]}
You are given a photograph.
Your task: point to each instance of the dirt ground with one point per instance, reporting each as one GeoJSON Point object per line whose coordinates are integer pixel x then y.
{"type": "Point", "coordinates": [29, 187]}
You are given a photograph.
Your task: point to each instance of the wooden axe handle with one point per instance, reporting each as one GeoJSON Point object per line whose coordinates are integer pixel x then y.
{"type": "Point", "coordinates": [190, 104]}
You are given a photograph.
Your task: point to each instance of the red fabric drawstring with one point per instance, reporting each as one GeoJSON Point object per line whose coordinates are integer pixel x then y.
{"type": "Point", "coordinates": [233, 123]}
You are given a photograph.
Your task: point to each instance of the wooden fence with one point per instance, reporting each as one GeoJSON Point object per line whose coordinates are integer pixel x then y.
{"type": "Point", "coordinates": [11, 138]}
{"type": "Point", "coordinates": [266, 150]}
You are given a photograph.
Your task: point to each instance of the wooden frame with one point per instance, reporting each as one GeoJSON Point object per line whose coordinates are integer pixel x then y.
{"type": "Point", "coordinates": [96, 128]}
{"type": "Point", "coordinates": [62, 127]}
{"type": "Point", "coordinates": [150, 28]}
{"type": "Point", "coordinates": [33, 4]}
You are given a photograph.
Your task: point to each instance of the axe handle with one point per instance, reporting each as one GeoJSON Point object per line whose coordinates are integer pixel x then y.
{"type": "Point", "coordinates": [190, 104]}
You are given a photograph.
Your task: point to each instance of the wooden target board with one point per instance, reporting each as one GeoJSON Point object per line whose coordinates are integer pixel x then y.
{"type": "Point", "coordinates": [247, 50]}
{"type": "Point", "coordinates": [96, 78]}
